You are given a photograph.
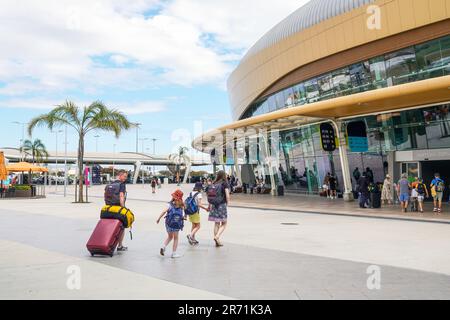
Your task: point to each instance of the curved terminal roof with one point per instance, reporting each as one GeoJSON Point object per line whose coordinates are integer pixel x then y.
{"type": "Point", "coordinates": [310, 14]}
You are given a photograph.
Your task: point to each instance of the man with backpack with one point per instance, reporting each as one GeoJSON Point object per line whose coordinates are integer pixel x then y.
{"type": "Point", "coordinates": [403, 190]}
{"type": "Point", "coordinates": [115, 195]}
{"type": "Point", "coordinates": [437, 189]}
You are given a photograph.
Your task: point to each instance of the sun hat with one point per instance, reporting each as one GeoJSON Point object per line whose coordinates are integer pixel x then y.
{"type": "Point", "coordinates": [178, 195]}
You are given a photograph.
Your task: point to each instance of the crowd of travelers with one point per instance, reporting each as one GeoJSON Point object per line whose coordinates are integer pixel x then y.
{"type": "Point", "coordinates": [410, 193]}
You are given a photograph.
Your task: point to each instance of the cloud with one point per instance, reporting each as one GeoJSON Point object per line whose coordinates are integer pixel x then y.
{"type": "Point", "coordinates": [133, 108]}
{"type": "Point", "coordinates": [58, 46]}
{"type": "Point", "coordinates": [142, 107]}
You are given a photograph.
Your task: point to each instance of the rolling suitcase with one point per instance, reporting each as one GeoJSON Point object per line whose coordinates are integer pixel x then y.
{"type": "Point", "coordinates": [105, 238]}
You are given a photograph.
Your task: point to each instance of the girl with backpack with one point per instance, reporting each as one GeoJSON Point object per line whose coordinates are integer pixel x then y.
{"type": "Point", "coordinates": [422, 193]}
{"type": "Point", "coordinates": [219, 199]}
{"type": "Point", "coordinates": [174, 222]}
{"type": "Point", "coordinates": [195, 217]}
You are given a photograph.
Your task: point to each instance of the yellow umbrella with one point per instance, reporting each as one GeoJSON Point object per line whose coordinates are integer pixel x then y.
{"type": "Point", "coordinates": [25, 167]}
{"type": "Point", "coordinates": [3, 171]}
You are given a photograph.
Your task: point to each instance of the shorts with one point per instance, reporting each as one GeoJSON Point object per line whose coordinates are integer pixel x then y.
{"type": "Point", "coordinates": [421, 198]}
{"type": "Point", "coordinates": [439, 196]}
{"type": "Point", "coordinates": [195, 218]}
{"type": "Point", "coordinates": [404, 197]}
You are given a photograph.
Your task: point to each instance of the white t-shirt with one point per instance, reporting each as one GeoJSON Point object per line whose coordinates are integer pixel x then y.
{"type": "Point", "coordinates": [199, 197]}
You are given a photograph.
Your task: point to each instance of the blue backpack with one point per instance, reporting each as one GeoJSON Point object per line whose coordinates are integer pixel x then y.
{"type": "Point", "coordinates": [191, 206]}
{"type": "Point", "coordinates": [175, 219]}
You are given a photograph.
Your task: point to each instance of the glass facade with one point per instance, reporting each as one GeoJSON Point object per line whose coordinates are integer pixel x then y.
{"type": "Point", "coordinates": [420, 62]}
{"type": "Point", "coordinates": [304, 165]}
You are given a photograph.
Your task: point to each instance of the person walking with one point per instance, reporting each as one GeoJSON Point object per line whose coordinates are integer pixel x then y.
{"type": "Point", "coordinates": [153, 185]}
{"type": "Point", "coordinates": [326, 184]}
{"type": "Point", "coordinates": [332, 184]}
{"type": "Point", "coordinates": [386, 193]}
{"type": "Point", "coordinates": [116, 195]}
{"type": "Point", "coordinates": [370, 175]}
{"type": "Point", "coordinates": [414, 195]}
{"type": "Point", "coordinates": [437, 190]}
{"type": "Point", "coordinates": [356, 175]}
{"type": "Point", "coordinates": [403, 188]}
{"type": "Point", "coordinates": [422, 193]}
{"type": "Point", "coordinates": [195, 218]}
{"type": "Point", "coordinates": [219, 200]}
{"type": "Point", "coordinates": [174, 222]}
{"type": "Point", "coordinates": [363, 189]}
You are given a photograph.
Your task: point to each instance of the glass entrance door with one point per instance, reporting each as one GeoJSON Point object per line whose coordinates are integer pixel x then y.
{"type": "Point", "coordinates": [412, 169]}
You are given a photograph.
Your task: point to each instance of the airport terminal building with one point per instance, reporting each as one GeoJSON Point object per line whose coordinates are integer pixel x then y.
{"type": "Point", "coordinates": [346, 84]}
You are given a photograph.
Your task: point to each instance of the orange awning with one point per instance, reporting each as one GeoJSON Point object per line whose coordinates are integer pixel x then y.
{"type": "Point", "coordinates": [25, 167]}
{"type": "Point", "coordinates": [3, 171]}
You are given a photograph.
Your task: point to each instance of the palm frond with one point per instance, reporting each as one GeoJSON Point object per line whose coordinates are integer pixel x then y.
{"type": "Point", "coordinates": [106, 119]}
{"type": "Point", "coordinates": [66, 113]}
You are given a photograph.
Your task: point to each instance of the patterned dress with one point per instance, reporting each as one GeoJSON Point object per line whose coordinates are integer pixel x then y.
{"type": "Point", "coordinates": [218, 213]}
{"type": "Point", "coordinates": [386, 194]}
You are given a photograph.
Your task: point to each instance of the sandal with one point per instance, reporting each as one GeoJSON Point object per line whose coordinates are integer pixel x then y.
{"type": "Point", "coordinates": [218, 243]}
{"type": "Point", "coordinates": [122, 249]}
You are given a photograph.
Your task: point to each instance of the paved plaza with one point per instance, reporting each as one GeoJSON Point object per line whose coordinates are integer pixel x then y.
{"type": "Point", "coordinates": [275, 248]}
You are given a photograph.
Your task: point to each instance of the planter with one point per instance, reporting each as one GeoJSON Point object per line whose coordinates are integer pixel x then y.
{"type": "Point", "coordinates": [22, 194]}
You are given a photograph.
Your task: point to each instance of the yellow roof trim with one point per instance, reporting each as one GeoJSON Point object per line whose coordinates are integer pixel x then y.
{"type": "Point", "coordinates": [403, 96]}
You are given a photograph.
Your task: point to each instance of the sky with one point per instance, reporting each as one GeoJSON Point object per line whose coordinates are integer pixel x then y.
{"type": "Point", "coordinates": [164, 63]}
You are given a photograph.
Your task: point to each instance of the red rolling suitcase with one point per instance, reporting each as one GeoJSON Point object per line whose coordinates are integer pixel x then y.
{"type": "Point", "coordinates": [105, 238]}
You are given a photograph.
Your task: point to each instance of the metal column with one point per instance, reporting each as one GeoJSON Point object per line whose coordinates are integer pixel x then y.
{"type": "Point", "coordinates": [348, 192]}
{"type": "Point", "coordinates": [270, 164]}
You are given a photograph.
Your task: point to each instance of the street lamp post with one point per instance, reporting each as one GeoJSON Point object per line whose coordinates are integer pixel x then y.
{"type": "Point", "coordinates": [23, 124]}
{"type": "Point", "coordinates": [154, 153]}
{"type": "Point", "coordinates": [96, 142]}
{"type": "Point", "coordinates": [137, 124]}
{"type": "Point", "coordinates": [56, 157]}
{"type": "Point", "coordinates": [143, 151]}
{"type": "Point", "coordinates": [65, 162]}
{"type": "Point", "coordinates": [114, 159]}
{"type": "Point", "coordinates": [143, 141]}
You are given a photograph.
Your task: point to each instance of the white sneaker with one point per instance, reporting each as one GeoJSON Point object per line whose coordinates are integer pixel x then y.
{"type": "Point", "coordinates": [176, 256]}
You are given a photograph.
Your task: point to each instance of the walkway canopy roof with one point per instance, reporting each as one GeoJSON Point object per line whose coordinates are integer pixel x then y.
{"type": "Point", "coordinates": [426, 92]}
{"type": "Point", "coordinates": [25, 167]}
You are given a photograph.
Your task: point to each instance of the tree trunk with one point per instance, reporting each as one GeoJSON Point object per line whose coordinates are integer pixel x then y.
{"type": "Point", "coordinates": [80, 168]}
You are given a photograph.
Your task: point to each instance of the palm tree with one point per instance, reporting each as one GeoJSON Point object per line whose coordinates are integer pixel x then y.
{"type": "Point", "coordinates": [180, 158]}
{"type": "Point", "coordinates": [36, 149]}
{"type": "Point", "coordinates": [94, 117]}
